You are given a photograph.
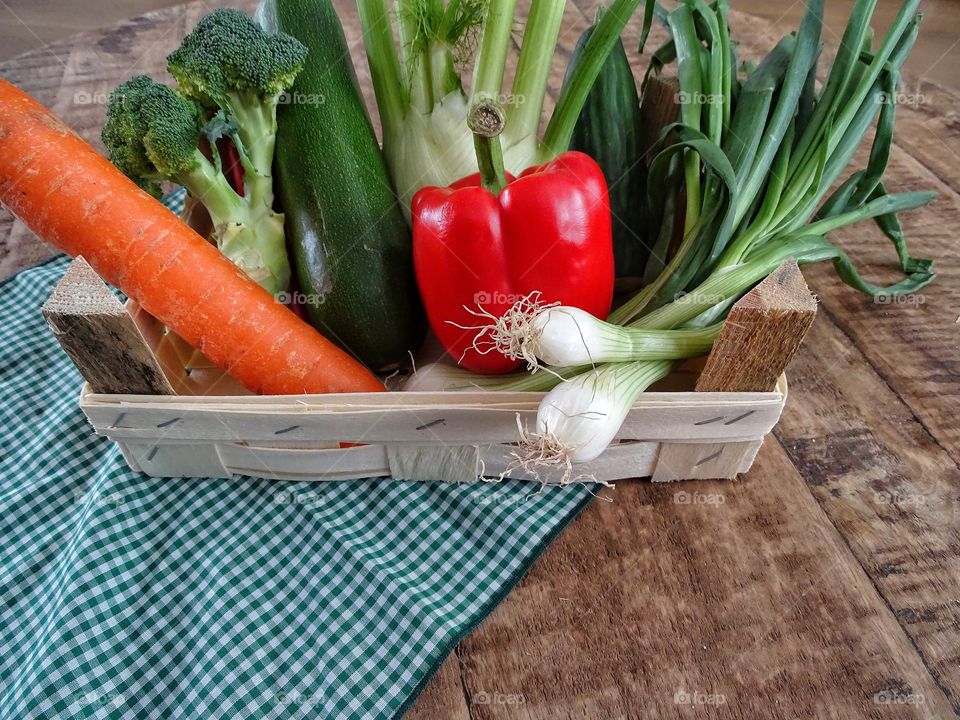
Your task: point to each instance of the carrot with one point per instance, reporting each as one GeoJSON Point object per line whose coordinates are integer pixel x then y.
{"type": "Point", "coordinates": [72, 197]}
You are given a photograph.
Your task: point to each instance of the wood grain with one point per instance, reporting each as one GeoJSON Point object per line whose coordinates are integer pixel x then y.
{"type": "Point", "coordinates": [935, 56]}
{"type": "Point", "coordinates": [821, 585]}
{"type": "Point", "coordinates": [658, 109]}
{"type": "Point", "coordinates": [761, 334]}
{"type": "Point", "coordinates": [742, 590]}
{"type": "Point", "coordinates": [891, 490]}
{"type": "Point", "coordinates": [96, 331]}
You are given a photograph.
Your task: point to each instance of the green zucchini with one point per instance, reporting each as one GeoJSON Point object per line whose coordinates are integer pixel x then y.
{"type": "Point", "coordinates": [350, 243]}
{"type": "Point", "coordinates": [608, 130]}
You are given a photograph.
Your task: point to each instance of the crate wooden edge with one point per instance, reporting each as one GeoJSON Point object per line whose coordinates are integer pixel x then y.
{"type": "Point", "coordinates": [378, 401]}
{"type": "Point", "coordinates": [462, 463]}
{"type": "Point", "coordinates": [695, 453]}
{"type": "Point", "coordinates": [680, 417]}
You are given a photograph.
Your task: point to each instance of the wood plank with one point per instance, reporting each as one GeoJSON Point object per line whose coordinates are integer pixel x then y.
{"type": "Point", "coordinates": [28, 24]}
{"type": "Point", "coordinates": [729, 600]}
{"type": "Point", "coordinates": [934, 56]}
{"type": "Point", "coordinates": [707, 421]}
{"type": "Point", "coordinates": [761, 334]}
{"type": "Point", "coordinates": [443, 698]}
{"type": "Point", "coordinates": [658, 109]}
{"type": "Point", "coordinates": [891, 490]}
{"type": "Point", "coordinates": [912, 342]}
{"type": "Point", "coordinates": [928, 130]}
{"type": "Point", "coordinates": [704, 461]}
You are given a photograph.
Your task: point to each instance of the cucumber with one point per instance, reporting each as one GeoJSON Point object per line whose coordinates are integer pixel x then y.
{"type": "Point", "coordinates": [350, 244]}
{"type": "Point", "coordinates": [608, 130]}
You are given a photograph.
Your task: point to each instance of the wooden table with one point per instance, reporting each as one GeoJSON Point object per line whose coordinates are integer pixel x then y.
{"type": "Point", "coordinates": [823, 584]}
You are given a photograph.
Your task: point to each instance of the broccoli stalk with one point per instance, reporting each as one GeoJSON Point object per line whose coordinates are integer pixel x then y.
{"type": "Point", "coordinates": [231, 76]}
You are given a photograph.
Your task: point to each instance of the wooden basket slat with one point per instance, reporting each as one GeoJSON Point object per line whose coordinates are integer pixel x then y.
{"type": "Point", "coordinates": [635, 459]}
{"type": "Point", "coordinates": [379, 401]}
{"type": "Point", "coordinates": [733, 420]}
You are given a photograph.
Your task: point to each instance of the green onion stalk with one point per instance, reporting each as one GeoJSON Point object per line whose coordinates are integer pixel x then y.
{"type": "Point", "coordinates": [755, 157]}
{"type": "Point", "coordinates": [420, 91]}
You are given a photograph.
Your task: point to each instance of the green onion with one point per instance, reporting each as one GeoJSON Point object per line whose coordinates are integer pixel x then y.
{"type": "Point", "coordinates": [565, 336]}
{"type": "Point", "coordinates": [561, 336]}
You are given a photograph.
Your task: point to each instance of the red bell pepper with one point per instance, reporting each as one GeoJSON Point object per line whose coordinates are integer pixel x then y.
{"type": "Point", "coordinates": [547, 231]}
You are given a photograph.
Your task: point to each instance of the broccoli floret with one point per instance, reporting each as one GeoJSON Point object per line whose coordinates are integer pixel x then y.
{"type": "Point", "coordinates": [227, 52]}
{"type": "Point", "coordinates": [153, 133]}
{"type": "Point", "coordinates": [229, 61]}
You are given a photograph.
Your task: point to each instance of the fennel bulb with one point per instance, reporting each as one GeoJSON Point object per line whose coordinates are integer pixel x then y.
{"type": "Point", "coordinates": [430, 148]}
{"type": "Point", "coordinates": [436, 148]}
{"type": "Point", "coordinates": [420, 95]}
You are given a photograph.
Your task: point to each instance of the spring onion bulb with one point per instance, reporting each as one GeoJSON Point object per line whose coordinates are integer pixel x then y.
{"type": "Point", "coordinates": [563, 336]}
{"type": "Point", "coordinates": [578, 419]}
{"type": "Point", "coordinates": [569, 336]}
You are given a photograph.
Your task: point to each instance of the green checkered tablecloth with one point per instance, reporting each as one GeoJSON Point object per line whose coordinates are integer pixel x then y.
{"type": "Point", "coordinates": [124, 596]}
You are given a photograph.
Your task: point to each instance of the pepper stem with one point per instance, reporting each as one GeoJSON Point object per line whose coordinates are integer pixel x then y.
{"type": "Point", "coordinates": [486, 121]}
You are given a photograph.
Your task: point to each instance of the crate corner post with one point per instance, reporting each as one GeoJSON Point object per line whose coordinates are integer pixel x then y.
{"type": "Point", "coordinates": [761, 335]}
{"type": "Point", "coordinates": [104, 342]}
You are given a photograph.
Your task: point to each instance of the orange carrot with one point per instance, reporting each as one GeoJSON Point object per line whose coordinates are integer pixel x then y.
{"type": "Point", "coordinates": [73, 198]}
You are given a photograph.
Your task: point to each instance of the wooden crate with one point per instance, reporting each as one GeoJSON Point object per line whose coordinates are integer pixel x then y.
{"type": "Point", "coordinates": [193, 424]}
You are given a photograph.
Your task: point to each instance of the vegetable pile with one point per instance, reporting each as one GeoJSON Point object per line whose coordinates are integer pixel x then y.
{"type": "Point", "coordinates": [510, 245]}
{"type": "Point", "coordinates": [755, 155]}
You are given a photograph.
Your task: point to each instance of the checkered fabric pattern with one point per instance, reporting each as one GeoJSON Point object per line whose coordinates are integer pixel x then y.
{"type": "Point", "coordinates": [124, 596]}
{"type": "Point", "coordinates": [176, 201]}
